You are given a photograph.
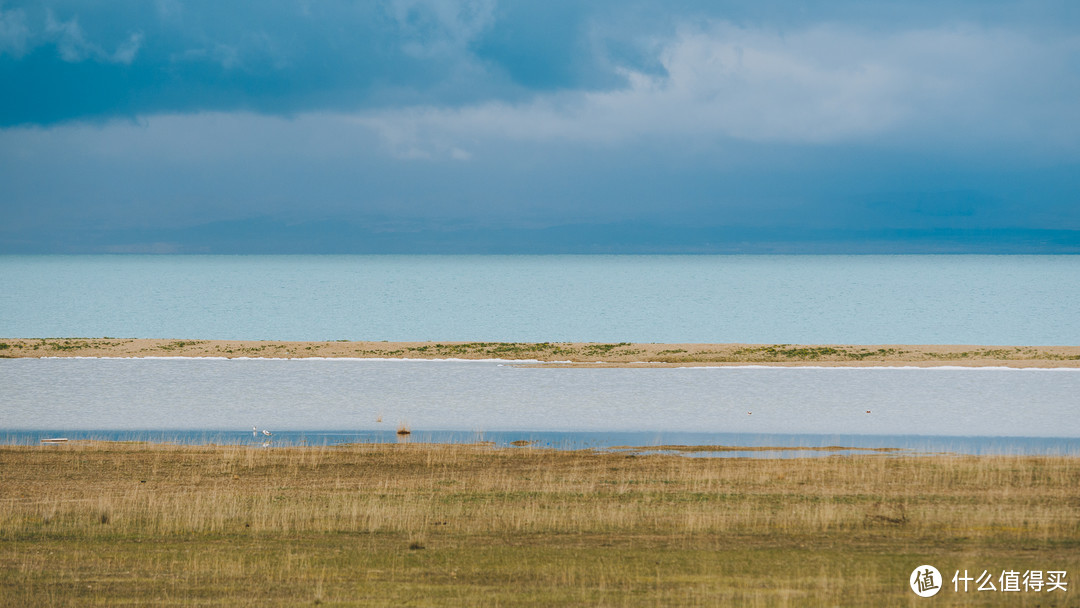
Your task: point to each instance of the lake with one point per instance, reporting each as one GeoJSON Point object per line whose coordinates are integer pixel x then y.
{"type": "Point", "coordinates": [938, 299]}
{"type": "Point", "coordinates": [931, 299]}
{"type": "Point", "coordinates": [969, 409]}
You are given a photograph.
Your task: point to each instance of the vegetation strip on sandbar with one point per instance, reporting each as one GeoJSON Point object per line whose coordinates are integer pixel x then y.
{"type": "Point", "coordinates": [617, 354]}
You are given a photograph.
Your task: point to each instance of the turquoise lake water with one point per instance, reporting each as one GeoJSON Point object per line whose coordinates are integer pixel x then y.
{"type": "Point", "coordinates": [1001, 300]}
{"type": "Point", "coordinates": [989, 300]}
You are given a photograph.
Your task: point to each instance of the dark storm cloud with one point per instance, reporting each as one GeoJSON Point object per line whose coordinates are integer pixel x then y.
{"type": "Point", "coordinates": [70, 60]}
{"type": "Point", "coordinates": [163, 125]}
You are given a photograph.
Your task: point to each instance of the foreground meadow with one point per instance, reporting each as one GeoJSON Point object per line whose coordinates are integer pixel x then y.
{"type": "Point", "coordinates": [112, 523]}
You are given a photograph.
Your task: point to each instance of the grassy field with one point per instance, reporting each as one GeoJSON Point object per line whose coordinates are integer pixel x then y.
{"type": "Point", "coordinates": [113, 524]}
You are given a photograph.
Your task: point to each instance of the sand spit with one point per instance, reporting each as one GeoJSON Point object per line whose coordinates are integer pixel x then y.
{"type": "Point", "coordinates": [623, 354]}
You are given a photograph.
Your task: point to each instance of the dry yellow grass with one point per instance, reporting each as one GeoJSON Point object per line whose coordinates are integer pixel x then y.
{"type": "Point", "coordinates": [90, 523]}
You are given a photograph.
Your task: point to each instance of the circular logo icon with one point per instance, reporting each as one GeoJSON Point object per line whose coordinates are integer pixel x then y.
{"type": "Point", "coordinates": [925, 581]}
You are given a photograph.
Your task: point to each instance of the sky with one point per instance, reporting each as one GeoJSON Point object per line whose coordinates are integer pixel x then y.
{"type": "Point", "coordinates": [528, 126]}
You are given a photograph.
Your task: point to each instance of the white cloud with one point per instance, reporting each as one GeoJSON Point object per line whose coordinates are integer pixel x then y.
{"type": "Point", "coordinates": [168, 10]}
{"type": "Point", "coordinates": [821, 84]}
{"type": "Point", "coordinates": [70, 42]}
{"type": "Point", "coordinates": [14, 33]}
{"type": "Point", "coordinates": [73, 47]}
{"type": "Point", "coordinates": [126, 52]}
{"type": "Point", "coordinates": [433, 27]}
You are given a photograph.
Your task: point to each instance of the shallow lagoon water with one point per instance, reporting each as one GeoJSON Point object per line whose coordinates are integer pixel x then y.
{"type": "Point", "coordinates": [326, 401]}
{"type": "Point", "coordinates": [787, 445]}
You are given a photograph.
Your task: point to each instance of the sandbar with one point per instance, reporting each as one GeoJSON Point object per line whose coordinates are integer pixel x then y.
{"type": "Point", "coordinates": [564, 354]}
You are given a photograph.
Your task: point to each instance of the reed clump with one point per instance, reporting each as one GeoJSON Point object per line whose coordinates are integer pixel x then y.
{"type": "Point", "coordinates": [368, 524]}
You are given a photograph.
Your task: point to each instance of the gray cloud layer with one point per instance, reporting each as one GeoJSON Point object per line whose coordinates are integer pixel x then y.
{"type": "Point", "coordinates": [442, 117]}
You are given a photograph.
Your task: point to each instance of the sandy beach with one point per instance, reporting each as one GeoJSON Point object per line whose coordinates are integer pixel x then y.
{"type": "Point", "coordinates": [622, 354]}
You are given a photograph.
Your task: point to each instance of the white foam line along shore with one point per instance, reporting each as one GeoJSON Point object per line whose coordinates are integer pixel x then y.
{"type": "Point", "coordinates": [585, 364]}
{"type": "Point", "coordinates": [373, 359]}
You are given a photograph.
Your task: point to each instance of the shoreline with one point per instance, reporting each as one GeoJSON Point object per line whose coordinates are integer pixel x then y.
{"type": "Point", "coordinates": [561, 354]}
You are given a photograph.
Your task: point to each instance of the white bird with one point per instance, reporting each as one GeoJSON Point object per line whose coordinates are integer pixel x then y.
{"type": "Point", "coordinates": [267, 433]}
{"type": "Point", "coordinates": [254, 431]}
